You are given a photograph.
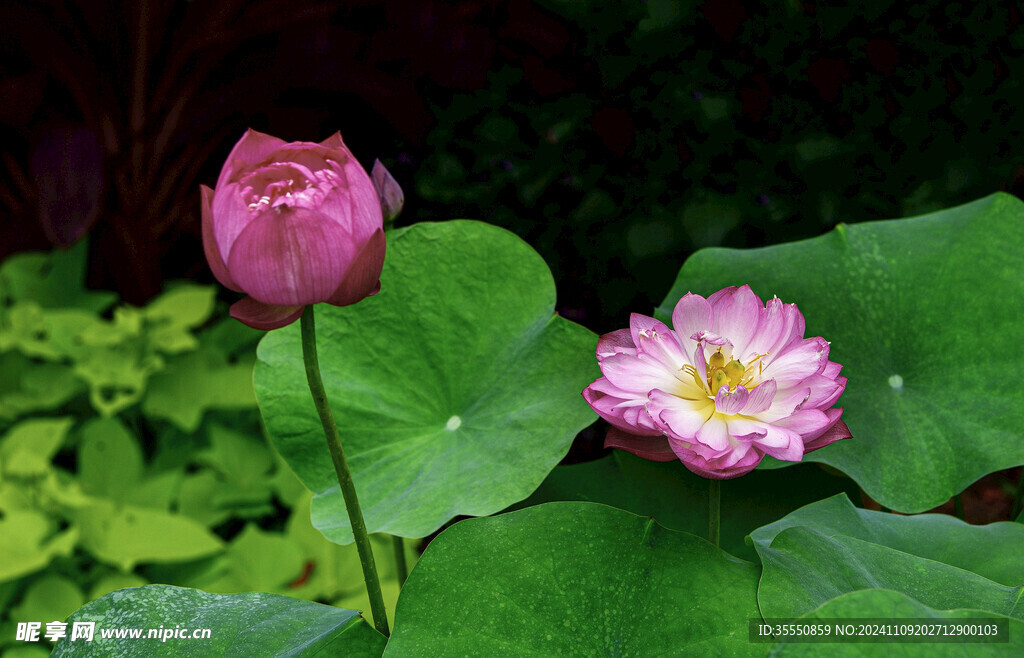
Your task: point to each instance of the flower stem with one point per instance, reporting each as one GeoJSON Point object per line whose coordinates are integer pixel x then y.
{"type": "Point", "coordinates": [400, 565]}
{"type": "Point", "coordinates": [714, 510]}
{"type": "Point", "coordinates": [348, 489]}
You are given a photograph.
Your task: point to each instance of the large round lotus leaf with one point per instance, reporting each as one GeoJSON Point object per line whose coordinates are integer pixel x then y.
{"type": "Point", "coordinates": [574, 579]}
{"type": "Point", "coordinates": [830, 548]}
{"type": "Point", "coordinates": [249, 624]}
{"type": "Point", "coordinates": [924, 314]}
{"type": "Point", "coordinates": [455, 389]}
{"type": "Point", "coordinates": [889, 607]}
{"type": "Point", "coordinates": [678, 499]}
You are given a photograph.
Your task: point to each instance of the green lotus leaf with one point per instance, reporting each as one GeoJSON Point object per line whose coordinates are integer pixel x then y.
{"type": "Point", "coordinates": [455, 389]}
{"type": "Point", "coordinates": [564, 579]}
{"type": "Point", "coordinates": [831, 548]}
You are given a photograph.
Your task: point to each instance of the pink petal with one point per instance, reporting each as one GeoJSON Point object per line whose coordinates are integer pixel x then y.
{"type": "Point", "coordinates": [700, 362]}
{"type": "Point", "coordinates": [709, 338]}
{"type": "Point", "coordinates": [693, 447]}
{"type": "Point", "coordinates": [712, 470]}
{"type": "Point", "coordinates": [333, 142]}
{"type": "Point", "coordinates": [778, 328]}
{"type": "Point", "coordinates": [737, 316]}
{"type": "Point", "coordinates": [714, 434]}
{"type": "Point", "coordinates": [602, 385]}
{"type": "Point", "coordinates": [656, 341]}
{"type": "Point", "coordinates": [640, 323]}
{"type": "Point", "coordinates": [264, 316]}
{"type": "Point", "coordinates": [290, 257]}
{"type": "Point", "coordinates": [354, 203]}
{"type": "Point", "coordinates": [621, 410]}
{"type": "Point", "coordinates": [251, 150]}
{"type": "Point", "coordinates": [786, 403]}
{"type": "Point", "coordinates": [691, 315]}
{"type": "Point", "coordinates": [680, 418]}
{"type": "Point", "coordinates": [363, 276]}
{"type": "Point", "coordinates": [651, 448]}
{"type": "Point", "coordinates": [824, 391]}
{"type": "Point", "coordinates": [734, 455]}
{"type": "Point", "coordinates": [745, 430]}
{"type": "Point", "coordinates": [358, 202]}
{"type": "Point", "coordinates": [768, 435]}
{"type": "Point", "coordinates": [791, 327]}
{"type": "Point", "coordinates": [392, 199]}
{"type": "Point", "coordinates": [229, 216]}
{"type": "Point", "coordinates": [213, 256]}
{"type": "Point", "coordinates": [831, 370]}
{"type": "Point", "coordinates": [781, 443]}
{"type": "Point", "coordinates": [731, 403]}
{"type": "Point", "coordinates": [631, 373]}
{"type": "Point", "coordinates": [835, 432]}
{"type": "Point", "coordinates": [615, 342]}
{"type": "Point", "coordinates": [806, 422]}
{"type": "Point", "coordinates": [798, 362]}
{"type": "Point", "coordinates": [760, 398]}
{"type": "Point", "coordinates": [310, 155]}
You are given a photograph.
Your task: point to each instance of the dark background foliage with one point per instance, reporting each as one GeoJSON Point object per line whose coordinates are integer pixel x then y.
{"type": "Point", "coordinates": [615, 137]}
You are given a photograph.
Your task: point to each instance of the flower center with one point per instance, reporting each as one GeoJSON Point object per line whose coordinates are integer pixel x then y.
{"type": "Point", "coordinates": [731, 373]}
{"type": "Point", "coordinates": [287, 184]}
{"type": "Point", "coordinates": [721, 373]}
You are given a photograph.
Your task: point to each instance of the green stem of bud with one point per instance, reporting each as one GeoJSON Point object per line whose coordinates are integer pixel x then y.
{"type": "Point", "coordinates": [348, 489]}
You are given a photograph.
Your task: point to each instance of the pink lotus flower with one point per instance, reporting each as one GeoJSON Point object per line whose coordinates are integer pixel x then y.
{"type": "Point", "coordinates": [733, 381]}
{"type": "Point", "coordinates": [292, 224]}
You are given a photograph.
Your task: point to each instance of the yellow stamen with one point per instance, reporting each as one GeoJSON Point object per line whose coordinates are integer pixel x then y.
{"type": "Point", "coordinates": [718, 379]}
{"type": "Point", "coordinates": [734, 371]}
{"type": "Point", "coordinates": [690, 370]}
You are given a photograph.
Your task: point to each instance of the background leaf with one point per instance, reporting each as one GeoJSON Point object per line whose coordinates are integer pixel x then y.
{"type": "Point", "coordinates": [52, 279]}
{"type": "Point", "coordinates": [455, 388]}
{"type": "Point", "coordinates": [28, 542]}
{"type": "Point", "coordinates": [27, 386]}
{"type": "Point", "coordinates": [574, 579]}
{"type": "Point", "coordinates": [48, 598]}
{"type": "Point", "coordinates": [109, 459]}
{"type": "Point", "coordinates": [127, 535]}
{"type": "Point", "coordinates": [924, 315]}
{"type": "Point", "coordinates": [194, 382]}
{"type": "Point", "coordinates": [26, 449]}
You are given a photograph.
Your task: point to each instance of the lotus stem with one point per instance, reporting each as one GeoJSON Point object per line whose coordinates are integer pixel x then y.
{"type": "Point", "coordinates": [400, 565]}
{"type": "Point", "coordinates": [348, 489]}
{"type": "Point", "coordinates": [714, 510]}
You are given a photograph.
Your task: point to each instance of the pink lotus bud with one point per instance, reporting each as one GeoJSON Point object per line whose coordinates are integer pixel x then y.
{"type": "Point", "coordinates": [733, 380]}
{"type": "Point", "coordinates": [391, 197]}
{"type": "Point", "coordinates": [292, 224]}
